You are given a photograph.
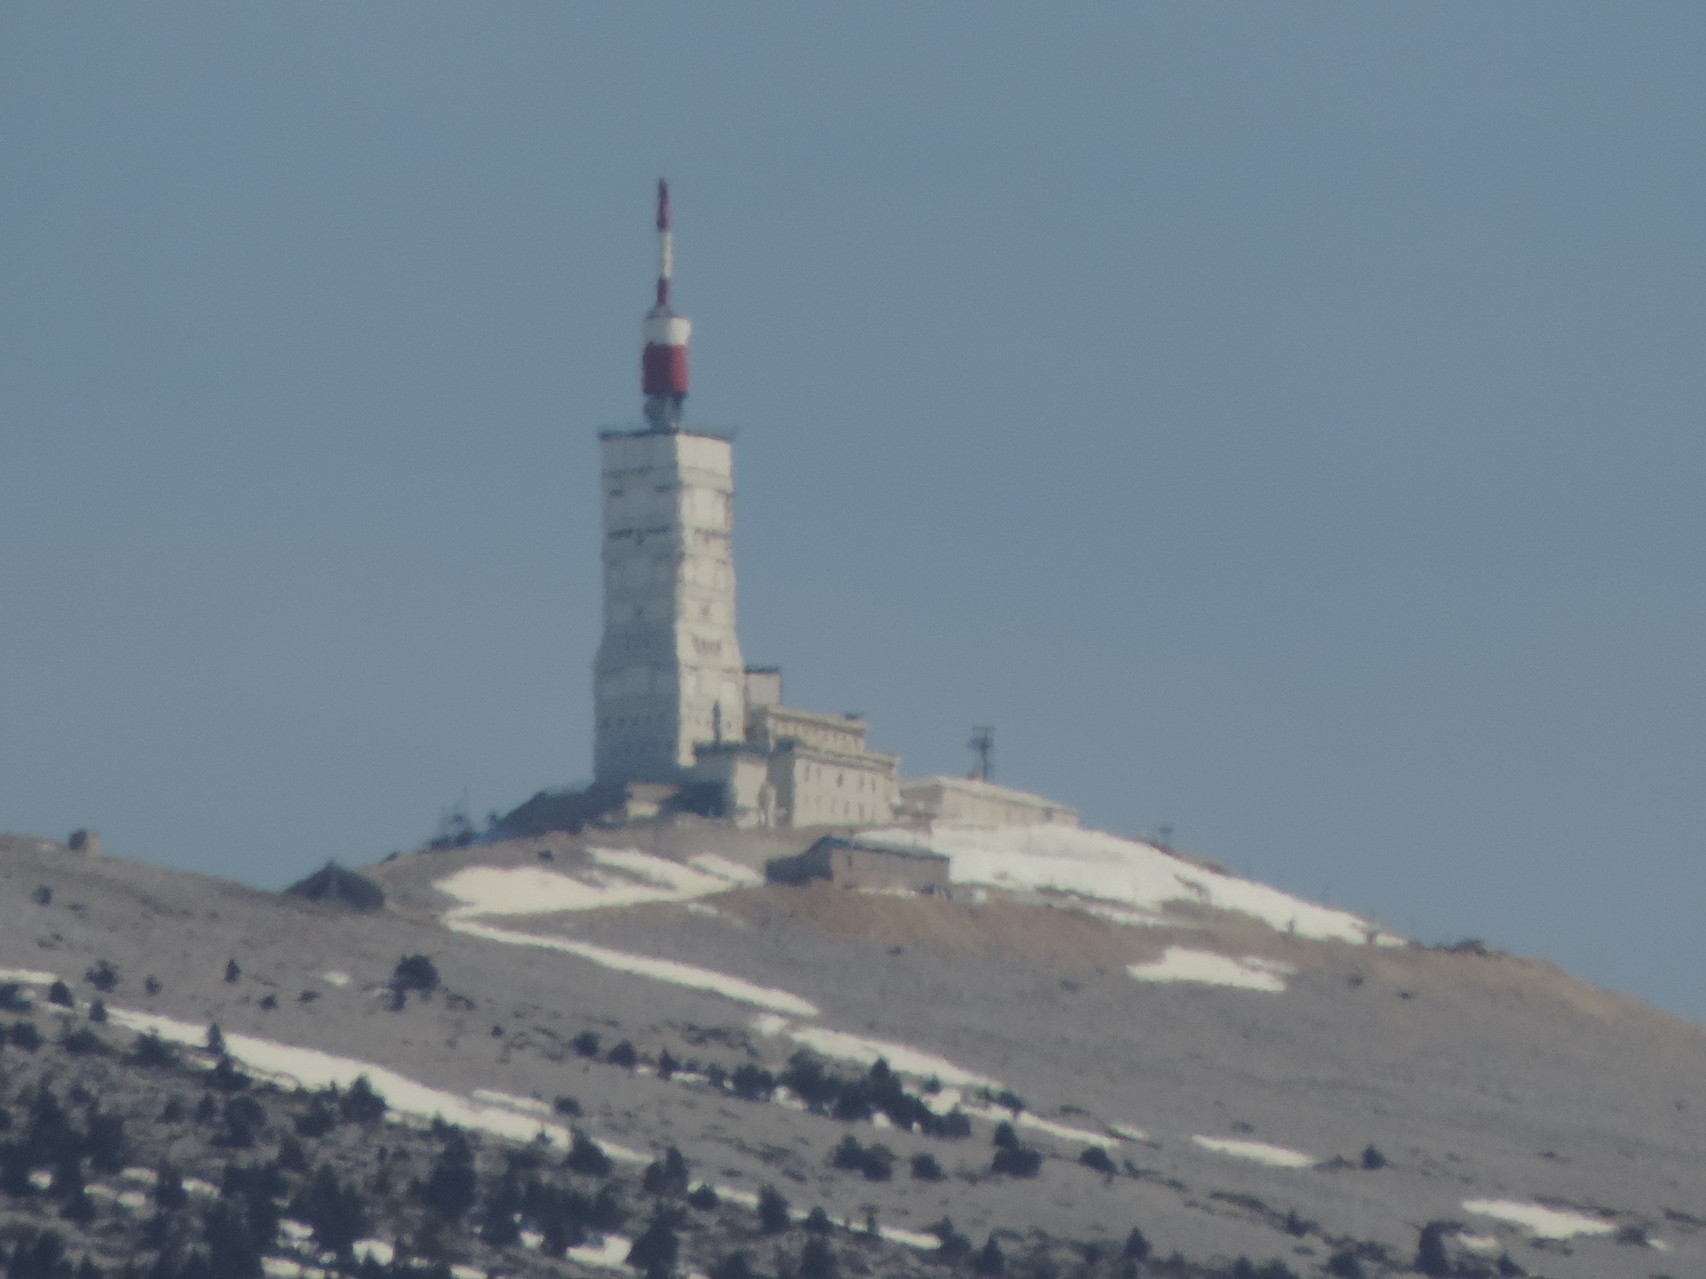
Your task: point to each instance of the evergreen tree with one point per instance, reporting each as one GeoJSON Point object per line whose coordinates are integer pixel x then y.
{"type": "Point", "coordinates": [817, 1260]}
{"type": "Point", "coordinates": [989, 1260]}
{"type": "Point", "coordinates": [773, 1215]}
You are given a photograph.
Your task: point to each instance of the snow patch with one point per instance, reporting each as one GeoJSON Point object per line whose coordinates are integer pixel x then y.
{"type": "Point", "coordinates": [911, 1238]}
{"type": "Point", "coordinates": [375, 1249]}
{"type": "Point", "coordinates": [842, 1046]}
{"type": "Point", "coordinates": [28, 976]}
{"type": "Point", "coordinates": [311, 1068]}
{"type": "Point", "coordinates": [1543, 1222]}
{"type": "Point", "coordinates": [335, 978]}
{"type": "Point", "coordinates": [664, 970]}
{"type": "Point", "coordinates": [1128, 1133]}
{"type": "Point", "coordinates": [1258, 1151]}
{"type": "Point", "coordinates": [1105, 868]}
{"type": "Point", "coordinates": [532, 1104]}
{"type": "Point", "coordinates": [613, 877]}
{"type": "Point", "coordinates": [608, 1253]}
{"type": "Point", "coordinates": [1204, 966]}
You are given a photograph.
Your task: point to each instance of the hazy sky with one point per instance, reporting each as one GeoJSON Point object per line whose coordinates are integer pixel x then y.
{"type": "Point", "coordinates": [1281, 421]}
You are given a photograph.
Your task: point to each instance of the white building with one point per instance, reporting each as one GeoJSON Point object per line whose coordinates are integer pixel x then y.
{"type": "Point", "coordinates": [799, 768]}
{"type": "Point", "coordinates": [980, 803]}
{"type": "Point", "coordinates": [668, 673]}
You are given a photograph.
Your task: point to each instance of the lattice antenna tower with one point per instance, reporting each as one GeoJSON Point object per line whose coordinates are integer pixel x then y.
{"type": "Point", "coordinates": [982, 747]}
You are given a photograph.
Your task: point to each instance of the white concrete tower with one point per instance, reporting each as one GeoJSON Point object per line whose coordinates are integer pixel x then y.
{"type": "Point", "coordinates": [669, 672]}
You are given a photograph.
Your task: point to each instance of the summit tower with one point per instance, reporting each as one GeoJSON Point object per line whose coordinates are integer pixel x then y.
{"type": "Point", "coordinates": [669, 674]}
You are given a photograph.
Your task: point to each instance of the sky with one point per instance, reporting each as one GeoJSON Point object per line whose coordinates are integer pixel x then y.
{"type": "Point", "coordinates": [1281, 422]}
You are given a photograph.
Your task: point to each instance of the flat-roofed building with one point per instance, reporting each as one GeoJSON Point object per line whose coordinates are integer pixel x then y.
{"type": "Point", "coordinates": [980, 803]}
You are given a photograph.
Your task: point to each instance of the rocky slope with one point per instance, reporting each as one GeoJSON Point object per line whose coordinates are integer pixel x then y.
{"type": "Point", "coordinates": [1088, 1036]}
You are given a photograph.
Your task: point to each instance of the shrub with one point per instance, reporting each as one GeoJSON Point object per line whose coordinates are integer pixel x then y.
{"type": "Point", "coordinates": [849, 1155]}
{"type": "Point", "coordinates": [1005, 1137]}
{"type": "Point", "coordinates": [623, 1055]}
{"type": "Point", "coordinates": [13, 999]}
{"type": "Point", "coordinates": [169, 1192]}
{"type": "Point", "coordinates": [1097, 1159]}
{"type": "Point", "coordinates": [43, 895]}
{"type": "Point", "coordinates": [98, 1012]}
{"type": "Point", "coordinates": [453, 1184]}
{"type": "Point", "coordinates": [1344, 1265]}
{"type": "Point", "coordinates": [667, 1064]}
{"type": "Point", "coordinates": [414, 972]}
{"type": "Point", "coordinates": [318, 1120]}
{"type": "Point", "coordinates": [989, 1260]}
{"type": "Point", "coordinates": [817, 1222]}
{"type": "Point", "coordinates": [151, 984]}
{"type": "Point", "coordinates": [954, 1247]}
{"type": "Point", "coordinates": [1136, 1246]}
{"type": "Point", "coordinates": [1372, 1158]}
{"type": "Point", "coordinates": [102, 976]}
{"type": "Point", "coordinates": [152, 1052]}
{"type": "Point", "coordinates": [925, 1168]}
{"type": "Point", "coordinates": [1010, 1100]}
{"type": "Point", "coordinates": [84, 1042]}
{"type": "Point", "coordinates": [735, 1265]}
{"type": "Point", "coordinates": [1017, 1161]}
{"type": "Point", "coordinates": [667, 1179]}
{"type": "Point", "coordinates": [656, 1249]}
{"type": "Point", "coordinates": [334, 1210]}
{"type": "Point", "coordinates": [752, 1083]}
{"type": "Point", "coordinates": [361, 1103]}
{"type": "Point", "coordinates": [565, 1105]}
{"type": "Point", "coordinates": [878, 1163]}
{"type": "Point", "coordinates": [1296, 1225]}
{"type": "Point", "coordinates": [817, 1260]}
{"type": "Point", "coordinates": [215, 1039]}
{"type": "Point", "coordinates": [773, 1216]}
{"type": "Point", "coordinates": [587, 1157]}
{"type": "Point", "coordinates": [586, 1044]}
{"type": "Point", "coordinates": [704, 1198]}
{"type": "Point", "coordinates": [607, 1212]}
{"type": "Point", "coordinates": [232, 971]}
{"type": "Point", "coordinates": [25, 1035]}
{"type": "Point", "coordinates": [59, 993]}
{"type": "Point", "coordinates": [1431, 1256]}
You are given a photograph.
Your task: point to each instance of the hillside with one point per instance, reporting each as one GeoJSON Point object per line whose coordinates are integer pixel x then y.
{"type": "Point", "coordinates": [1241, 1075]}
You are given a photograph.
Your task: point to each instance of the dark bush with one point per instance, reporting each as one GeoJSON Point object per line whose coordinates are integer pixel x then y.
{"type": "Point", "coordinates": [624, 1055]}
{"type": "Point", "coordinates": [849, 1156]}
{"type": "Point", "coordinates": [1097, 1159]}
{"type": "Point", "coordinates": [226, 1077]}
{"type": "Point", "coordinates": [667, 1064]}
{"type": "Point", "coordinates": [1136, 1246]}
{"type": "Point", "coordinates": [735, 1265]}
{"type": "Point", "coordinates": [1432, 1259]}
{"type": "Point", "coordinates": [608, 1212]}
{"type": "Point", "coordinates": [13, 999]}
{"type": "Point", "coordinates": [25, 1035]}
{"type": "Point", "coordinates": [567, 1106]}
{"type": "Point", "coordinates": [102, 976]}
{"type": "Point", "coordinates": [704, 1198]}
{"type": "Point", "coordinates": [989, 1260]}
{"type": "Point", "coordinates": [215, 1041]}
{"type": "Point", "coordinates": [453, 1184]}
{"type": "Point", "coordinates": [773, 1215]}
{"type": "Point", "coordinates": [666, 1178]}
{"type": "Point", "coordinates": [1344, 1264]}
{"type": "Point", "coordinates": [586, 1044]}
{"type": "Point", "coordinates": [43, 895]}
{"type": "Point", "coordinates": [232, 971]}
{"type": "Point", "coordinates": [587, 1157]}
{"type": "Point", "coordinates": [955, 1247]}
{"type": "Point", "coordinates": [231, 1247]}
{"type": "Point", "coordinates": [817, 1259]}
{"type": "Point", "coordinates": [878, 1163]}
{"type": "Point", "coordinates": [59, 993]}
{"type": "Point", "coordinates": [151, 984]}
{"type": "Point", "coordinates": [1296, 1225]}
{"type": "Point", "coordinates": [1005, 1138]}
{"type": "Point", "coordinates": [361, 1104]}
{"type": "Point", "coordinates": [334, 1211]}
{"type": "Point", "coordinates": [1017, 1161]}
{"type": "Point", "coordinates": [1010, 1100]}
{"type": "Point", "coordinates": [414, 972]}
{"type": "Point", "coordinates": [925, 1168]}
{"type": "Point", "coordinates": [817, 1222]}
{"type": "Point", "coordinates": [752, 1083]}
{"type": "Point", "coordinates": [153, 1052]}
{"type": "Point", "coordinates": [1372, 1158]}
{"type": "Point", "coordinates": [98, 1012]}
{"type": "Point", "coordinates": [657, 1248]}
{"type": "Point", "coordinates": [169, 1192]}
{"type": "Point", "coordinates": [318, 1120]}
{"type": "Point", "coordinates": [84, 1042]}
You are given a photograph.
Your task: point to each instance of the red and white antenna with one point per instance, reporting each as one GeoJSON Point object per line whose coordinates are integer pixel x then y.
{"type": "Point", "coordinates": [663, 365]}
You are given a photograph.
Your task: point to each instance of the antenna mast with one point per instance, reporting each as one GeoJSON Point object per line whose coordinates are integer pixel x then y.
{"type": "Point", "coordinates": [663, 365]}
{"type": "Point", "coordinates": [982, 747]}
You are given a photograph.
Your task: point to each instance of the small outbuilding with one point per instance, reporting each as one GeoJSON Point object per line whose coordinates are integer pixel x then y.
{"type": "Point", "coordinates": [866, 864]}
{"type": "Point", "coordinates": [336, 886]}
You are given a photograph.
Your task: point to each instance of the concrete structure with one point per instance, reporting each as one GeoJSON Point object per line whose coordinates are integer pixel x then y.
{"type": "Point", "coordinates": [800, 768]}
{"type": "Point", "coordinates": [979, 803]}
{"type": "Point", "coordinates": [853, 863]}
{"type": "Point", "coordinates": [669, 672]}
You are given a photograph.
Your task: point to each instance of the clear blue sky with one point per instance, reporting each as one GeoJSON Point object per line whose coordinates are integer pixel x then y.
{"type": "Point", "coordinates": [1282, 422]}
